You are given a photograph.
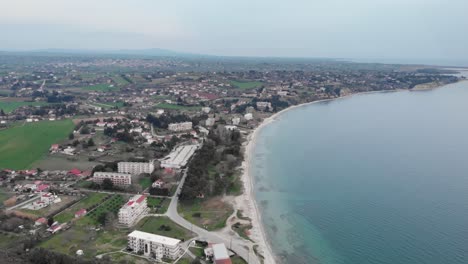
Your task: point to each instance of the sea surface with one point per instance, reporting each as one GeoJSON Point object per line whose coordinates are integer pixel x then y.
{"type": "Point", "coordinates": [373, 178]}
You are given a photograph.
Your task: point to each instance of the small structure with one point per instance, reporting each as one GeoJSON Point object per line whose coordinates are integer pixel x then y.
{"type": "Point", "coordinates": [40, 221]}
{"type": "Point", "coordinates": [218, 253]}
{"type": "Point", "coordinates": [80, 213]}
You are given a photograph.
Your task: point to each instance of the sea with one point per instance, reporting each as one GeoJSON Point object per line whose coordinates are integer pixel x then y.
{"type": "Point", "coordinates": [377, 178]}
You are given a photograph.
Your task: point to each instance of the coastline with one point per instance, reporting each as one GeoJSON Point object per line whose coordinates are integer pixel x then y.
{"type": "Point", "coordinates": [247, 202]}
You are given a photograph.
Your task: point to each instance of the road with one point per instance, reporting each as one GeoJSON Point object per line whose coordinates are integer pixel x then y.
{"type": "Point", "coordinates": [240, 247]}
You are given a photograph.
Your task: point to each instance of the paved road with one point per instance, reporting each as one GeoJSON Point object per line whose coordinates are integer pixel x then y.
{"type": "Point", "coordinates": [237, 246]}
{"type": "Point", "coordinates": [24, 203]}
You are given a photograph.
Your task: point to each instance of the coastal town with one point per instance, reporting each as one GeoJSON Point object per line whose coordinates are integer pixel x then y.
{"type": "Point", "coordinates": [146, 160]}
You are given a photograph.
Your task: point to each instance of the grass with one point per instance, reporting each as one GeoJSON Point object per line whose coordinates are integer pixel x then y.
{"type": "Point", "coordinates": [92, 242]}
{"type": "Point", "coordinates": [210, 214]}
{"type": "Point", "coordinates": [112, 204]}
{"type": "Point", "coordinates": [145, 182]}
{"type": "Point", "coordinates": [107, 105]}
{"type": "Point", "coordinates": [161, 204]}
{"type": "Point", "coordinates": [246, 85]}
{"type": "Point", "coordinates": [199, 252]}
{"type": "Point", "coordinates": [86, 203]}
{"type": "Point", "coordinates": [101, 87]}
{"type": "Point", "coordinates": [177, 107]}
{"type": "Point", "coordinates": [119, 80]}
{"type": "Point", "coordinates": [21, 146]}
{"type": "Point", "coordinates": [238, 260]}
{"type": "Point", "coordinates": [9, 107]}
{"type": "Point", "coordinates": [153, 225]}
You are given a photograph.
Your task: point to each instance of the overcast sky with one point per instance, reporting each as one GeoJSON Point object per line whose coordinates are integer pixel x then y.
{"type": "Point", "coordinates": [435, 29]}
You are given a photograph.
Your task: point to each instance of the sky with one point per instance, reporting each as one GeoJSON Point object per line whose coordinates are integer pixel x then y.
{"type": "Point", "coordinates": [366, 29]}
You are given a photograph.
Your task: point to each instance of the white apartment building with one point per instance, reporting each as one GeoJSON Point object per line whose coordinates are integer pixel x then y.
{"type": "Point", "coordinates": [133, 211]}
{"type": "Point", "coordinates": [236, 121]}
{"type": "Point", "coordinates": [154, 245]}
{"type": "Point", "coordinates": [263, 105]}
{"type": "Point", "coordinates": [119, 179]}
{"type": "Point", "coordinates": [135, 167]}
{"type": "Point", "coordinates": [180, 126]}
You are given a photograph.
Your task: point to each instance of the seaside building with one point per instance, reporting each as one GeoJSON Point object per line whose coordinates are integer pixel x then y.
{"type": "Point", "coordinates": [179, 157]}
{"type": "Point", "coordinates": [210, 121]}
{"type": "Point", "coordinates": [135, 167]}
{"type": "Point", "coordinates": [119, 179]}
{"type": "Point", "coordinates": [133, 211]}
{"type": "Point", "coordinates": [176, 127]}
{"type": "Point", "coordinates": [154, 245]}
{"type": "Point", "coordinates": [248, 116]}
{"type": "Point", "coordinates": [218, 253]}
{"type": "Point", "coordinates": [262, 106]}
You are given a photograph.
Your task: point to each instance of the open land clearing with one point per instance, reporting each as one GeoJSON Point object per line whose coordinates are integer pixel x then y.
{"type": "Point", "coordinates": [246, 85]}
{"type": "Point", "coordinates": [22, 145]}
{"type": "Point", "coordinates": [11, 106]}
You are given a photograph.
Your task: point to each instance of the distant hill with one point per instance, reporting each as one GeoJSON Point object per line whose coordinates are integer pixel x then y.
{"type": "Point", "coordinates": [137, 52]}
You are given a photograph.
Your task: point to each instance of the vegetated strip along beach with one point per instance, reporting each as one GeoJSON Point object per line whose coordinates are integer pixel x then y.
{"type": "Point", "coordinates": [246, 202]}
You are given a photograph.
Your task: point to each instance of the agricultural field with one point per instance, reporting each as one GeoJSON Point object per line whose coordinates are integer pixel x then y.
{"type": "Point", "coordinates": [88, 202]}
{"type": "Point", "coordinates": [177, 107]}
{"type": "Point", "coordinates": [22, 145]}
{"type": "Point", "coordinates": [110, 204]}
{"type": "Point", "coordinates": [101, 87]}
{"type": "Point", "coordinates": [210, 214]}
{"type": "Point", "coordinates": [145, 182]}
{"type": "Point", "coordinates": [246, 85]}
{"type": "Point", "coordinates": [107, 105]}
{"type": "Point", "coordinates": [119, 80]}
{"type": "Point", "coordinates": [9, 107]}
{"type": "Point", "coordinates": [89, 240]}
{"type": "Point", "coordinates": [163, 226]}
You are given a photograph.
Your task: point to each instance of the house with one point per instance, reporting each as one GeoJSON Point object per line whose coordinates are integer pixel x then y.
{"type": "Point", "coordinates": [54, 148]}
{"type": "Point", "coordinates": [75, 172]}
{"type": "Point", "coordinates": [218, 253]}
{"type": "Point", "coordinates": [40, 221]}
{"type": "Point", "coordinates": [80, 213]}
{"type": "Point", "coordinates": [158, 184]}
{"type": "Point", "coordinates": [42, 187]}
{"type": "Point", "coordinates": [54, 228]}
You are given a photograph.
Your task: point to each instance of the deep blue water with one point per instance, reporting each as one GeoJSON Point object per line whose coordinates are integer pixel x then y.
{"type": "Point", "coordinates": [374, 178]}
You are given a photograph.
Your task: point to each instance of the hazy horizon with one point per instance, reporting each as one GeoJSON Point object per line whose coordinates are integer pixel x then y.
{"type": "Point", "coordinates": [429, 30]}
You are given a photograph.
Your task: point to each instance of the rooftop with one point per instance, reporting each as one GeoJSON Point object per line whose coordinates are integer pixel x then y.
{"type": "Point", "coordinates": [155, 238]}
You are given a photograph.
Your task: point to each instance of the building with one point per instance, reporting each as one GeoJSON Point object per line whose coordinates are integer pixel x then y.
{"type": "Point", "coordinates": [218, 253]}
{"type": "Point", "coordinates": [210, 122]}
{"type": "Point", "coordinates": [135, 167]}
{"type": "Point", "coordinates": [236, 121]}
{"type": "Point", "coordinates": [179, 157]}
{"type": "Point", "coordinates": [206, 109]}
{"type": "Point", "coordinates": [263, 106]}
{"type": "Point", "coordinates": [80, 213]}
{"type": "Point", "coordinates": [119, 179]}
{"type": "Point", "coordinates": [248, 116]}
{"type": "Point", "coordinates": [176, 127]}
{"type": "Point", "coordinates": [134, 210]}
{"type": "Point", "coordinates": [153, 245]}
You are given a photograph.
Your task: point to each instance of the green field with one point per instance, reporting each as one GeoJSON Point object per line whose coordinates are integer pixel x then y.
{"type": "Point", "coordinates": [210, 214]}
{"type": "Point", "coordinates": [160, 205]}
{"type": "Point", "coordinates": [243, 85]}
{"type": "Point", "coordinates": [69, 213]}
{"type": "Point", "coordinates": [107, 105]}
{"type": "Point", "coordinates": [119, 80]}
{"type": "Point", "coordinates": [11, 106]}
{"type": "Point", "coordinates": [154, 225]}
{"type": "Point", "coordinates": [21, 146]}
{"type": "Point", "coordinates": [145, 182]}
{"type": "Point", "coordinates": [110, 205]}
{"type": "Point", "coordinates": [101, 87]}
{"type": "Point", "coordinates": [177, 107]}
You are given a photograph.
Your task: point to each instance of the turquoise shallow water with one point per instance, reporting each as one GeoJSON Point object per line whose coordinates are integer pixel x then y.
{"type": "Point", "coordinates": [375, 178]}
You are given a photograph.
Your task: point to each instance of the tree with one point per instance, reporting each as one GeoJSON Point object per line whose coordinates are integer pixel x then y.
{"type": "Point", "coordinates": [107, 184]}
{"type": "Point", "coordinates": [2, 113]}
{"type": "Point", "coordinates": [91, 142]}
{"type": "Point", "coordinates": [71, 136]}
{"type": "Point", "coordinates": [50, 221]}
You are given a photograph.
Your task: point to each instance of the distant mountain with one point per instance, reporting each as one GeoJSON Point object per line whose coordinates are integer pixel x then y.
{"type": "Point", "coordinates": [137, 52]}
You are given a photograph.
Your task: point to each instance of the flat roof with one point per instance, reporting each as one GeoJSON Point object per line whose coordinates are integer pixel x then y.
{"type": "Point", "coordinates": [155, 238]}
{"type": "Point", "coordinates": [220, 251]}
{"type": "Point", "coordinates": [179, 156]}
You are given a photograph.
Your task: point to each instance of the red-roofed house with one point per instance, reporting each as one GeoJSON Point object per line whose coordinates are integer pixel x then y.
{"type": "Point", "coordinates": [54, 148]}
{"type": "Point", "coordinates": [42, 187]}
{"type": "Point", "coordinates": [41, 221]}
{"type": "Point", "coordinates": [80, 213]}
{"type": "Point", "coordinates": [75, 172]}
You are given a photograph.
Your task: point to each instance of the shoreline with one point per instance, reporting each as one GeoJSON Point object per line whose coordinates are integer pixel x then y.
{"type": "Point", "coordinates": [247, 202]}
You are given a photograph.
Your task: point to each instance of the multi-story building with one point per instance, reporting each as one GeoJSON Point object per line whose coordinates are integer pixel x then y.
{"type": "Point", "coordinates": [133, 211]}
{"type": "Point", "coordinates": [155, 246]}
{"type": "Point", "coordinates": [135, 167]}
{"type": "Point", "coordinates": [120, 179]}
{"type": "Point", "coordinates": [180, 126]}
